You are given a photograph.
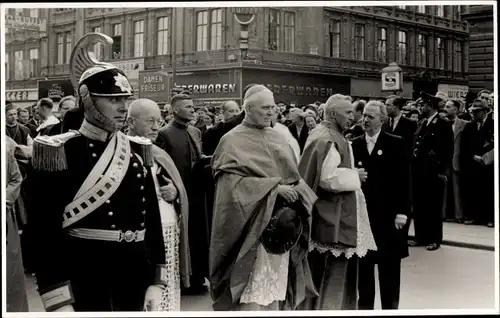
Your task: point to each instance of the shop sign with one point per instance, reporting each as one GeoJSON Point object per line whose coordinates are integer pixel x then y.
{"type": "Point", "coordinates": [215, 84]}
{"type": "Point", "coordinates": [21, 95]}
{"type": "Point", "coordinates": [131, 68]}
{"type": "Point", "coordinates": [55, 89]}
{"type": "Point", "coordinates": [392, 78]}
{"type": "Point", "coordinates": [454, 91]}
{"type": "Point", "coordinates": [154, 85]}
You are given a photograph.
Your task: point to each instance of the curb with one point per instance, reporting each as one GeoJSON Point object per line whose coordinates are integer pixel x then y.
{"type": "Point", "coordinates": [464, 245]}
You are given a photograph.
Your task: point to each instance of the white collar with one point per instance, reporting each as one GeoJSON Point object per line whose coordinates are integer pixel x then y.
{"type": "Point", "coordinates": [430, 119]}
{"type": "Point", "coordinates": [374, 138]}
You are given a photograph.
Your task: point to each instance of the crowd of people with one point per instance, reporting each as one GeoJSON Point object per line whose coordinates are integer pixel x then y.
{"type": "Point", "coordinates": [116, 204]}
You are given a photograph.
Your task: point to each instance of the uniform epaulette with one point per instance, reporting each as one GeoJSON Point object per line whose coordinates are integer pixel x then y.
{"type": "Point", "coordinates": [145, 149]}
{"type": "Point", "coordinates": [49, 153]}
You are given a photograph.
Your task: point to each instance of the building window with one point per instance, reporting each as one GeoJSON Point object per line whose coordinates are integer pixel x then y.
{"type": "Point", "coordinates": [98, 46]}
{"type": "Point", "coordinates": [163, 37]}
{"type": "Point", "coordinates": [422, 51]}
{"type": "Point", "coordinates": [289, 27]}
{"type": "Point", "coordinates": [202, 31]}
{"type": "Point", "coordinates": [139, 38]}
{"type": "Point", "coordinates": [60, 48]}
{"type": "Point", "coordinates": [402, 45]}
{"type": "Point", "coordinates": [459, 58]}
{"type": "Point", "coordinates": [7, 66]}
{"type": "Point", "coordinates": [359, 42]}
{"type": "Point", "coordinates": [69, 46]}
{"type": "Point", "coordinates": [334, 31]}
{"type": "Point", "coordinates": [116, 48]}
{"type": "Point", "coordinates": [440, 11]}
{"type": "Point", "coordinates": [421, 9]}
{"type": "Point", "coordinates": [19, 65]}
{"type": "Point", "coordinates": [274, 30]}
{"type": "Point", "coordinates": [33, 63]}
{"type": "Point", "coordinates": [216, 30]}
{"type": "Point", "coordinates": [19, 12]}
{"type": "Point", "coordinates": [382, 45]}
{"type": "Point", "coordinates": [440, 56]}
{"type": "Point", "coordinates": [34, 13]}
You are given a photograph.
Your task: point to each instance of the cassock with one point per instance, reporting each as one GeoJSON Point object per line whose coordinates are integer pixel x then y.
{"type": "Point", "coordinates": [183, 143]}
{"type": "Point", "coordinates": [248, 166]}
{"type": "Point", "coordinates": [212, 137]}
{"type": "Point", "coordinates": [340, 231]}
{"type": "Point", "coordinates": [387, 193]}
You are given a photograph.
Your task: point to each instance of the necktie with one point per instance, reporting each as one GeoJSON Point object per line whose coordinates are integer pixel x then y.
{"type": "Point", "coordinates": [370, 143]}
{"type": "Point", "coordinates": [391, 123]}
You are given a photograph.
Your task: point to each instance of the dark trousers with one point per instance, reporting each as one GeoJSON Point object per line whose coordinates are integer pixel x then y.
{"type": "Point", "coordinates": [479, 195]}
{"type": "Point", "coordinates": [389, 274]}
{"type": "Point", "coordinates": [428, 209]}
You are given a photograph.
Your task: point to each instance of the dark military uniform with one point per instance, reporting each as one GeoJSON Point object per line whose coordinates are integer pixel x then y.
{"type": "Point", "coordinates": [431, 165]}
{"type": "Point", "coordinates": [102, 275]}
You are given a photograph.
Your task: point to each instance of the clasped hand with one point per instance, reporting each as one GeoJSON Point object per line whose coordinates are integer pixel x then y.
{"type": "Point", "coordinates": [363, 175]}
{"type": "Point", "coordinates": [288, 193]}
{"type": "Point", "coordinates": [169, 191]}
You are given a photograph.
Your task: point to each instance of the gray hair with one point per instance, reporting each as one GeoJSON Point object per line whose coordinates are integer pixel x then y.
{"type": "Point", "coordinates": [381, 107]}
{"type": "Point", "coordinates": [66, 98]}
{"type": "Point", "coordinates": [226, 103]}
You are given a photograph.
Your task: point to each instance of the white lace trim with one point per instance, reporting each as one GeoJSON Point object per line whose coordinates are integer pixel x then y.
{"type": "Point", "coordinates": [171, 298]}
{"type": "Point", "coordinates": [364, 241]}
{"type": "Point", "coordinates": [269, 278]}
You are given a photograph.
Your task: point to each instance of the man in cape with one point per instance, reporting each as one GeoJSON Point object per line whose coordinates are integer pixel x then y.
{"type": "Point", "coordinates": [339, 214]}
{"type": "Point", "coordinates": [253, 168]}
{"type": "Point", "coordinates": [99, 244]}
{"type": "Point", "coordinates": [144, 119]}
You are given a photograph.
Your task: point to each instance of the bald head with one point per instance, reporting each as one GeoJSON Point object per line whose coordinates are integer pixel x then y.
{"type": "Point", "coordinates": [142, 106]}
{"type": "Point", "coordinates": [230, 109]}
{"type": "Point", "coordinates": [340, 110]}
{"type": "Point", "coordinates": [144, 118]}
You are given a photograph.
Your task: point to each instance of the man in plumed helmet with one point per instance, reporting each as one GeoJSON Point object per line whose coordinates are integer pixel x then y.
{"type": "Point", "coordinates": [98, 232]}
{"type": "Point", "coordinates": [432, 155]}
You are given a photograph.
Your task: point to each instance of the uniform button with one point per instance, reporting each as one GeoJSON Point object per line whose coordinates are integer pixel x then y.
{"type": "Point", "coordinates": [142, 224]}
{"type": "Point", "coordinates": [139, 176]}
{"type": "Point", "coordinates": [135, 165]}
{"type": "Point", "coordinates": [91, 145]}
{"type": "Point", "coordinates": [108, 202]}
{"type": "Point", "coordinates": [113, 226]}
{"type": "Point", "coordinates": [110, 213]}
{"type": "Point", "coordinates": [144, 212]}
{"type": "Point", "coordinates": [142, 188]}
{"type": "Point", "coordinates": [94, 155]}
{"type": "Point", "coordinates": [143, 199]}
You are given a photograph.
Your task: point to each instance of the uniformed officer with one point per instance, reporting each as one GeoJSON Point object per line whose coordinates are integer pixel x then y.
{"type": "Point", "coordinates": [98, 233]}
{"type": "Point", "coordinates": [431, 165]}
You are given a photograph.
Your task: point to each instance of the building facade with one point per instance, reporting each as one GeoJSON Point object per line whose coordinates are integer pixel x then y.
{"type": "Point", "coordinates": [481, 47]}
{"type": "Point", "coordinates": [303, 53]}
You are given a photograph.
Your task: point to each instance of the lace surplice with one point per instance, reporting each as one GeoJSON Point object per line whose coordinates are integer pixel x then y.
{"type": "Point", "coordinates": [171, 299]}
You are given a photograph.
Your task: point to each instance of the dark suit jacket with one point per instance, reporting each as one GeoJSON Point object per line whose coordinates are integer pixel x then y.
{"type": "Point", "coordinates": [233, 122]}
{"type": "Point", "coordinates": [405, 128]}
{"type": "Point", "coordinates": [211, 138]}
{"type": "Point", "coordinates": [387, 190]}
{"type": "Point", "coordinates": [354, 131]}
{"type": "Point", "coordinates": [304, 133]}
{"type": "Point", "coordinates": [475, 142]}
{"type": "Point", "coordinates": [432, 149]}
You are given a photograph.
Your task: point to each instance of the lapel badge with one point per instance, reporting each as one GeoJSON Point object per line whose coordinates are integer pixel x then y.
{"type": "Point", "coordinates": [379, 152]}
{"type": "Point", "coordinates": [360, 164]}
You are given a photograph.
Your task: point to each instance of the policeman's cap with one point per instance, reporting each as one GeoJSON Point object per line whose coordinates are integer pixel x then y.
{"type": "Point", "coordinates": [428, 98]}
{"type": "Point", "coordinates": [106, 81]}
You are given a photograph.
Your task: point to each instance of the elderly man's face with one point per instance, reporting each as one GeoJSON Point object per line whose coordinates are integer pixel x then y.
{"type": "Point", "coordinates": [262, 109]}
{"type": "Point", "coordinates": [294, 115]}
{"type": "Point", "coordinates": [450, 110]}
{"type": "Point", "coordinates": [65, 106]}
{"type": "Point", "coordinates": [372, 120]}
{"type": "Point", "coordinates": [344, 115]}
{"type": "Point", "coordinates": [231, 109]}
{"type": "Point", "coordinates": [147, 122]}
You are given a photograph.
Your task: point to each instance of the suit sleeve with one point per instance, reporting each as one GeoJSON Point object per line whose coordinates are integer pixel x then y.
{"type": "Point", "coordinates": [14, 180]}
{"type": "Point", "coordinates": [403, 173]}
{"type": "Point", "coordinates": [162, 142]}
{"type": "Point", "coordinates": [49, 240]}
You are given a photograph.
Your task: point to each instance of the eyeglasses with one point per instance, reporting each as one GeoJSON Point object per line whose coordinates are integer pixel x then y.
{"type": "Point", "coordinates": [152, 121]}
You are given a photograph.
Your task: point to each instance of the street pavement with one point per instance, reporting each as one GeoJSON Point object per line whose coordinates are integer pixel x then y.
{"type": "Point", "coordinates": [449, 278]}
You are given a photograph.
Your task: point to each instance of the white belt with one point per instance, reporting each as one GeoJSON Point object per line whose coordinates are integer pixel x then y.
{"type": "Point", "coordinates": [108, 235]}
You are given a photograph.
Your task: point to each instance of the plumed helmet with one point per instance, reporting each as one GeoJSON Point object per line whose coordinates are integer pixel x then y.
{"type": "Point", "coordinates": [106, 81]}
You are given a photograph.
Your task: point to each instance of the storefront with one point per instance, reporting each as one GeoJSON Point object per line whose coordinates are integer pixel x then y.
{"type": "Point", "coordinates": [295, 88]}
{"type": "Point", "coordinates": [131, 68]}
{"type": "Point", "coordinates": [22, 97]}
{"type": "Point", "coordinates": [453, 91]}
{"type": "Point", "coordinates": [372, 89]}
{"type": "Point", "coordinates": [55, 89]}
{"type": "Point", "coordinates": [154, 85]}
